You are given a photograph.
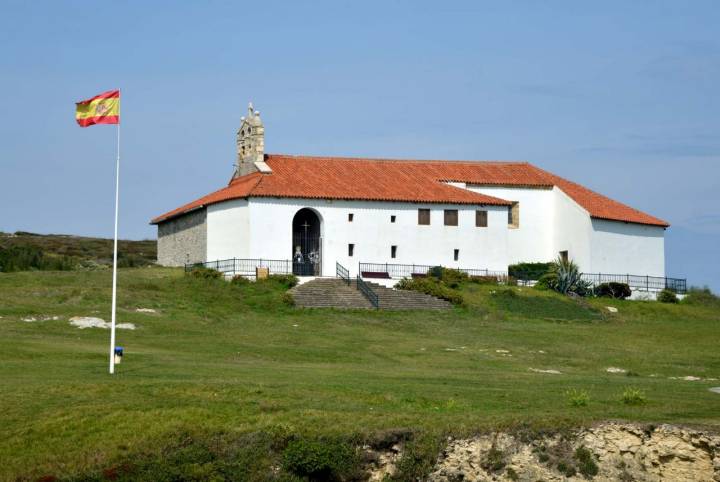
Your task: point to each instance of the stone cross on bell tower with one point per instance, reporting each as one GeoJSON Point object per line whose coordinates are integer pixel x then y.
{"type": "Point", "coordinates": [250, 143]}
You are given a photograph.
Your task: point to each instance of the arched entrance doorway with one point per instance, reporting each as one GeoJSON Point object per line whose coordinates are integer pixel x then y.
{"type": "Point", "coordinates": [307, 243]}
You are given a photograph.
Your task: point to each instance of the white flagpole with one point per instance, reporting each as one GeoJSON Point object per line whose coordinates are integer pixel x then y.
{"type": "Point", "coordinates": [114, 279]}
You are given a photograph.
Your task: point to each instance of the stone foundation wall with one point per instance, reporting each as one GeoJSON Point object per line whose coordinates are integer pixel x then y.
{"type": "Point", "coordinates": [183, 239]}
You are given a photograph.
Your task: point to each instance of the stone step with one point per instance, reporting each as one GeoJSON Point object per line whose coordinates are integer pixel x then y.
{"type": "Point", "coordinates": [406, 300]}
{"type": "Point", "coordinates": [335, 293]}
{"type": "Point", "coordinates": [329, 293]}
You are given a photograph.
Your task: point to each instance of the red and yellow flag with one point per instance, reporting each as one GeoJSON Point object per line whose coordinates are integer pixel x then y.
{"type": "Point", "coordinates": [101, 109]}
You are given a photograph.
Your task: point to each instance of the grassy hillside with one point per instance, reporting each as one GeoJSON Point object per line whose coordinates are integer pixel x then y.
{"type": "Point", "coordinates": [236, 368]}
{"type": "Point", "coordinates": [21, 251]}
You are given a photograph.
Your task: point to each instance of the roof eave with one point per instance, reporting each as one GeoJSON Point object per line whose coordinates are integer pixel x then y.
{"type": "Point", "coordinates": [478, 202]}
{"type": "Point", "coordinates": [165, 217]}
{"type": "Point", "coordinates": [659, 223]}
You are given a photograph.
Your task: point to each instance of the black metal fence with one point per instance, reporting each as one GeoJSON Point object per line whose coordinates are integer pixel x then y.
{"type": "Point", "coordinates": [368, 292]}
{"type": "Point", "coordinates": [636, 282]}
{"type": "Point", "coordinates": [342, 273]}
{"type": "Point", "coordinates": [639, 282]}
{"type": "Point", "coordinates": [245, 267]}
{"type": "Point", "coordinates": [391, 270]}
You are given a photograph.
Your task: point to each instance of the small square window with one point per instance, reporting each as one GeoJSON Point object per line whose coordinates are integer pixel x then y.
{"type": "Point", "coordinates": [393, 251]}
{"type": "Point", "coordinates": [424, 217]}
{"type": "Point", "coordinates": [451, 217]}
{"type": "Point", "coordinates": [351, 249]}
{"type": "Point", "coordinates": [456, 254]}
{"type": "Point", "coordinates": [350, 217]}
{"type": "Point", "coordinates": [481, 219]}
{"type": "Point", "coordinates": [392, 218]}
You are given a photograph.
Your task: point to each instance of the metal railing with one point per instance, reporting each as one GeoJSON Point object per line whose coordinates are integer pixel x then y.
{"type": "Point", "coordinates": [342, 273]}
{"type": "Point", "coordinates": [639, 282]}
{"type": "Point", "coordinates": [636, 282]}
{"type": "Point", "coordinates": [245, 267]}
{"type": "Point", "coordinates": [368, 292]}
{"type": "Point", "coordinates": [391, 270]}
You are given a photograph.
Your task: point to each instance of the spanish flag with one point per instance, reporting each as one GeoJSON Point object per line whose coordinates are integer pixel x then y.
{"type": "Point", "coordinates": [101, 109]}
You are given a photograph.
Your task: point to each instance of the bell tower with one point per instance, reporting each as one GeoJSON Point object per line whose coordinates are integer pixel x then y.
{"type": "Point", "coordinates": [250, 144]}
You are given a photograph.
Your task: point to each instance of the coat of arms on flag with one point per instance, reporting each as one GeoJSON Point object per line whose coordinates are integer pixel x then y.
{"type": "Point", "coordinates": [101, 109]}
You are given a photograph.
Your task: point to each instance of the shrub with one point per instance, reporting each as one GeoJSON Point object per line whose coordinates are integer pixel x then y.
{"type": "Point", "coordinates": [418, 457]}
{"type": "Point", "coordinates": [286, 280]}
{"type": "Point", "coordinates": [319, 459]}
{"type": "Point", "coordinates": [586, 462]}
{"type": "Point", "coordinates": [566, 468]}
{"type": "Point", "coordinates": [288, 299]}
{"type": "Point", "coordinates": [494, 460]}
{"type": "Point", "coordinates": [619, 291]}
{"type": "Point", "coordinates": [20, 258]}
{"type": "Point", "coordinates": [27, 257]}
{"type": "Point", "coordinates": [701, 296]}
{"type": "Point", "coordinates": [240, 280]}
{"type": "Point", "coordinates": [633, 396]}
{"type": "Point", "coordinates": [507, 293]}
{"type": "Point", "coordinates": [667, 296]}
{"type": "Point", "coordinates": [432, 287]}
{"type": "Point", "coordinates": [565, 278]}
{"type": "Point", "coordinates": [528, 271]}
{"type": "Point", "coordinates": [126, 260]}
{"type": "Point", "coordinates": [484, 280]}
{"type": "Point", "coordinates": [205, 273]}
{"type": "Point", "coordinates": [577, 398]}
{"type": "Point", "coordinates": [435, 272]}
{"type": "Point", "coordinates": [544, 282]}
{"type": "Point", "coordinates": [453, 277]}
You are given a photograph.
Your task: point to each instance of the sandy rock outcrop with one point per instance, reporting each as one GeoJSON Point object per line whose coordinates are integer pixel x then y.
{"type": "Point", "coordinates": [606, 452]}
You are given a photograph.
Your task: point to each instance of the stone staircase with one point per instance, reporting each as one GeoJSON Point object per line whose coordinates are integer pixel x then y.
{"type": "Point", "coordinates": [329, 293]}
{"type": "Point", "coordinates": [391, 299]}
{"type": "Point", "coordinates": [334, 293]}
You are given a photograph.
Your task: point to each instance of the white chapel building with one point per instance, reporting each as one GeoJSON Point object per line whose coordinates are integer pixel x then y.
{"type": "Point", "coordinates": [319, 211]}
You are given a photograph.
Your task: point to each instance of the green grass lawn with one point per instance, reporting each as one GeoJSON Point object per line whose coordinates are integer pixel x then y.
{"type": "Point", "coordinates": [218, 358]}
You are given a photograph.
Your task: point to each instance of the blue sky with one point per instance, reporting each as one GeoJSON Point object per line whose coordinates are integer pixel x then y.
{"type": "Point", "coordinates": [619, 96]}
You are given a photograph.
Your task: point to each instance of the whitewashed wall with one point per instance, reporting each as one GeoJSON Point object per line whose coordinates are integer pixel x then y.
{"type": "Point", "coordinates": [532, 241]}
{"type": "Point", "coordinates": [228, 230]}
{"type": "Point", "coordinates": [270, 227]}
{"type": "Point", "coordinates": [550, 222]}
{"type": "Point", "coordinates": [571, 229]}
{"type": "Point", "coordinates": [627, 248]}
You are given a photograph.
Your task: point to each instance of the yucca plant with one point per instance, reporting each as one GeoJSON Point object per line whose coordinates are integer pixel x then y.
{"type": "Point", "coordinates": [565, 277]}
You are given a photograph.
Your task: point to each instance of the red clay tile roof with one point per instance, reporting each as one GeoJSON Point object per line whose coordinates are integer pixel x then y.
{"type": "Point", "coordinates": [240, 188]}
{"type": "Point", "coordinates": [404, 181]}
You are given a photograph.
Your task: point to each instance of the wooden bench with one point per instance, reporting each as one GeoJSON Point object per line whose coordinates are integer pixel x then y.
{"type": "Point", "coordinates": [375, 274]}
